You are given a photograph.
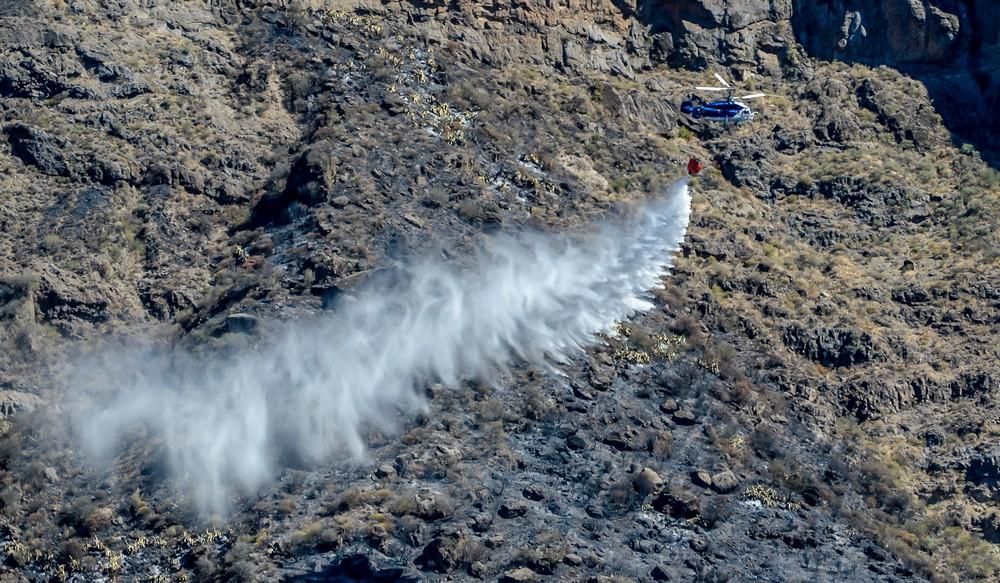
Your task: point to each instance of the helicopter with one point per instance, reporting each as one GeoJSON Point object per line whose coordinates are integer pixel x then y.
{"type": "Point", "coordinates": [725, 110]}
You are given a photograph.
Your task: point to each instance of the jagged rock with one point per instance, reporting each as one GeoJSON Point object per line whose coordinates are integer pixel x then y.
{"type": "Point", "coordinates": [38, 148]}
{"type": "Point", "coordinates": [906, 117]}
{"type": "Point", "coordinates": [755, 286]}
{"type": "Point", "coordinates": [684, 416]}
{"type": "Point", "coordinates": [27, 75]}
{"type": "Point", "coordinates": [356, 567]}
{"type": "Point", "coordinates": [662, 573]}
{"type": "Point", "coordinates": [442, 554]}
{"type": "Point", "coordinates": [876, 204]}
{"type": "Point", "coordinates": [600, 379]}
{"type": "Point", "coordinates": [982, 475]}
{"type": "Point", "coordinates": [385, 472]}
{"type": "Point", "coordinates": [969, 384]}
{"type": "Point", "coordinates": [582, 393]}
{"type": "Point", "coordinates": [241, 323]}
{"type": "Point", "coordinates": [12, 402]}
{"type": "Point", "coordinates": [933, 438]}
{"type": "Point", "coordinates": [56, 156]}
{"type": "Point", "coordinates": [911, 295]}
{"type": "Point", "coordinates": [953, 45]}
{"type": "Point", "coordinates": [816, 231]}
{"type": "Point", "coordinates": [63, 298]}
{"type": "Point", "coordinates": [799, 539]}
{"type": "Point", "coordinates": [720, 248]}
{"type": "Point", "coordinates": [430, 505]}
{"type": "Point", "coordinates": [899, 31]}
{"type": "Point", "coordinates": [627, 439]}
{"type": "Point", "coordinates": [481, 522]}
{"type": "Point", "coordinates": [701, 478]}
{"type": "Point", "coordinates": [595, 510]}
{"type": "Point", "coordinates": [869, 398]}
{"type": "Point", "coordinates": [677, 503]}
{"type": "Point", "coordinates": [990, 527]}
{"type": "Point", "coordinates": [746, 162]}
{"type": "Point", "coordinates": [512, 509]}
{"type": "Point", "coordinates": [645, 546]}
{"type": "Point", "coordinates": [790, 141]}
{"type": "Point", "coordinates": [833, 121]}
{"type": "Point", "coordinates": [832, 347]}
{"type": "Point", "coordinates": [533, 493]}
{"type": "Point", "coordinates": [576, 442]}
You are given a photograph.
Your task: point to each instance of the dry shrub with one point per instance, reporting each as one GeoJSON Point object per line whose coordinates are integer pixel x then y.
{"type": "Point", "coordinates": [320, 535]}
{"type": "Point", "coordinates": [739, 393]}
{"type": "Point", "coordinates": [98, 519]}
{"type": "Point", "coordinates": [688, 326]}
{"type": "Point", "coordinates": [767, 443]}
{"type": "Point", "coordinates": [354, 497]}
{"type": "Point", "coordinates": [428, 507]}
{"type": "Point", "coordinates": [470, 210]}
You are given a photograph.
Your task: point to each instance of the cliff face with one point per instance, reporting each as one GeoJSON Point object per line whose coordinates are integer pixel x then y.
{"type": "Point", "coordinates": [892, 32]}
{"type": "Point", "coordinates": [625, 35]}
{"type": "Point", "coordinates": [952, 46]}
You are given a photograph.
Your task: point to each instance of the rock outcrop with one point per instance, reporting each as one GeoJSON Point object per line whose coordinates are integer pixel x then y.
{"type": "Point", "coordinates": [832, 347]}
{"type": "Point", "coordinates": [952, 46]}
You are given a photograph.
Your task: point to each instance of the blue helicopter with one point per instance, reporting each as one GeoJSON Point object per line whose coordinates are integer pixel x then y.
{"type": "Point", "coordinates": [725, 110]}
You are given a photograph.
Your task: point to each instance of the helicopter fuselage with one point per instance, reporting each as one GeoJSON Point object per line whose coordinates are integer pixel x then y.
{"type": "Point", "coordinates": [724, 110]}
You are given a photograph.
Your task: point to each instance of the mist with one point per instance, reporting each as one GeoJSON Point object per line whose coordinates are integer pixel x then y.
{"type": "Point", "coordinates": [314, 388]}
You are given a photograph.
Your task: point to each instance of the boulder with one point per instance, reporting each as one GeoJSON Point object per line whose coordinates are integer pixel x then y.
{"type": "Point", "coordinates": [442, 554]}
{"type": "Point", "coordinates": [701, 478]}
{"type": "Point", "coordinates": [647, 481]}
{"type": "Point", "coordinates": [512, 509]}
{"type": "Point", "coordinates": [626, 439]}
{"type": "Point", "coordinates": [725, 482]}
{"type": "Point", "coordinates": [519, 575]}
{"type": "Point", "coordinates": [677, 503]}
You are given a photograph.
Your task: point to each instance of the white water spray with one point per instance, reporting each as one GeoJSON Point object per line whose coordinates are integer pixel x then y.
{"type": "Point", "coordinates": [316, 387]}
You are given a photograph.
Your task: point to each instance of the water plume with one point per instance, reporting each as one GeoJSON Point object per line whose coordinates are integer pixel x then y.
{"type": "Point", "coordinates": [315, 388]}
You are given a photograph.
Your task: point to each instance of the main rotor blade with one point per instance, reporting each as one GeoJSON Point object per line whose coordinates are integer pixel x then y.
{"type": "Point", "coordinates": [711, 89]}
{"type": "Point", "coordinates": [754, 96]}
{"type": "Point", "coordinates": [721, 80]}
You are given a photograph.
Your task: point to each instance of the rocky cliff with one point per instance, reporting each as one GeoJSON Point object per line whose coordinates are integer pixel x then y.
{"type": "Point", "coordinates": [813, 397]}
{"type": "Point", "coordinates": [953, 47]}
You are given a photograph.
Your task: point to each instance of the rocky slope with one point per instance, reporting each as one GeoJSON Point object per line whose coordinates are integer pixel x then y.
{"type": "Point", "coordinates": [812, 399]}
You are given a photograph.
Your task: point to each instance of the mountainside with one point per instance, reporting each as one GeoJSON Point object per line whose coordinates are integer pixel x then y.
{"type": "Point", "coordinates": [812, 398]}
